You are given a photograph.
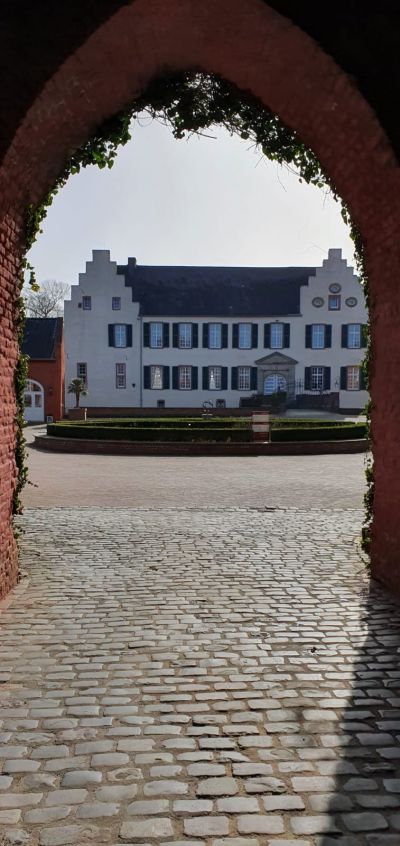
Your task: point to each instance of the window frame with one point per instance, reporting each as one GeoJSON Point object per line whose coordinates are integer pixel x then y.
{"type": "Point", "coordinates": [119, 327]}
{"type": "Point", "coordinates": [317, 374]}
{"type": "Point", "coordinates": [119, 376]}
{"type": "Point", "coordinates": [153, 368]}
{"type": "Point", "coordinates": [242, 326]}
{"type": "Point", "coordinates": [211, 327]}
{"type": "Point", "coordinates": [273, 326]}
{"type": "Point", "coordinates": [78, 374]}
{"type": "Point", "coordinates": [218, 382]}
{"type": "Point", "coordinates": [356, 372]}
{"type": "Point", "coordinates": [244, 385]}
{"type": "Point", "coordinates": [156, 346]}
{"type": "Point", "coordinates": [184, 370]}
{"type": "Point", "coordinates": [86, 302]}
{"type": "Point", "coordinates": [115, 300]}
{"type": "Point", "coordinates": [331, 299]}
{"type": "Point", "coordinates": [189, 328]}
{"type": "Point", "coordinates": [318, 326]}
{"type": "Point", "coordinates": [356, 346]}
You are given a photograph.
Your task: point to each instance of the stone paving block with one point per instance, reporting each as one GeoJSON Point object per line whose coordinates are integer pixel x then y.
{"type": "Point", "coordinates": [159, 827]}
{"type": "Point", "coordinates": [206, 826]}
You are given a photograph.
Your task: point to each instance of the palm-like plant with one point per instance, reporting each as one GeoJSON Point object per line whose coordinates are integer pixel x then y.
{"type": "Point", "coordinates": [77, 387]}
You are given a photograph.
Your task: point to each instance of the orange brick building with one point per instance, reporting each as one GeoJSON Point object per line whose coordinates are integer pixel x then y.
{"type": "Point", "coordinates": [44, 344]}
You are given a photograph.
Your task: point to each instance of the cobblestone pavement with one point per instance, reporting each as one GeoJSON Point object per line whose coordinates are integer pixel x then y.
{"type": "Point", "coordinates": [194, 677]}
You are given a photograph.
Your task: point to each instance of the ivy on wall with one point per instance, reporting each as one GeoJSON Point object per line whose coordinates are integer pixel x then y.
{"type": "Point", "coordinates": [191, 102]}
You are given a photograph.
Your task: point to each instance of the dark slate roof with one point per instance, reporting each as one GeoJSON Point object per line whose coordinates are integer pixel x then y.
{"type": "Point", "coordinates": [40, 336]}
{"type": "Point", "coordinates": [216, 291]}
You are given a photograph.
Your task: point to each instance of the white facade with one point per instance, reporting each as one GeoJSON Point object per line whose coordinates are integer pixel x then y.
{"type": "Point", "coordinates": [113, 345]}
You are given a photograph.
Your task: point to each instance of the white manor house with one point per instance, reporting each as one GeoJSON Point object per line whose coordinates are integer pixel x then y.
{"type": "Point", "coordinates": [175, 337]}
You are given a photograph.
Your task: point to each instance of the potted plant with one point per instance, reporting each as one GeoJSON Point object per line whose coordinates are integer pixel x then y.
{"type": "Point", "coordinates": [78, 388]}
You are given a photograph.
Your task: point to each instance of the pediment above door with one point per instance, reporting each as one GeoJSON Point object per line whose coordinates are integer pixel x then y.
{"type": "Point", "coordinates": [275, 358]}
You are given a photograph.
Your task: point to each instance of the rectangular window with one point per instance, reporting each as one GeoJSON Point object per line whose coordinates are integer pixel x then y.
{"type": "Point", "coordinates": [116, 303]}
{"type": "Point", "coordinates": [81, 371]}
{"type": "Point", "coordinates": [156, 376]}
{"type": "Point", "coordinates": [354, 336]}
{"type": "Point", "coordinates": [353, 379]}
{"type": "Point", "coordinates": [185, 378]}
{"type": "Point", "coordinates": [185, 336]}
{"type": "Point", "coordinates": [120, 375]}
{"type": "Point", "coordinates": [276, 336]}
{"type": "Point", "coordinates": [214, 377]}
{"type": "Point", "coordinates": [244, 336]}
{"type": "Point", "coordinates": [317, 336]}
{"type": "Point", "coordinates": [160, 403]}
{"type": "Point", "coordinates": [317, 378]}
{"type": "Point", "coordinates": [334, 302]}
{"type": "Point", "coordinates": [120, 335]}
{"type": "Point", "coordinates": [244, 378]}
{"type": "Point", "coordinates": [86, 303]}
{"type": "Point", "coordinates": [215, 336]}
{"type": "Point", "coordinates": [156, 335]}
{"type": "Point", "coordinates": [220, 403]}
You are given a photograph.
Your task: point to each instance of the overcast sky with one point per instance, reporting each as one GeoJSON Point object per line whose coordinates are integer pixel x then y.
{"type": "Point", "coordinates": [197, 201]}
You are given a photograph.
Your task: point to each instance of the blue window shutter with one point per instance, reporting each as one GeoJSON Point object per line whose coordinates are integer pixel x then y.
{"type": "Point", "coordinates": [165, 382]}
{"type": "Point", "coordinates": [205, 378]}
{"type": "Point", "coordinates": [234, 378]}
{"type": "Point", "coordinates": [364, 335]}
{"type": "Point", "coordinates": [175, 334]}
{"type": "Point", "coordinates": [235, 336]}
{"type": "Point", "coordinates": [175, 378]}
{"type": "Point", "coordinates": [286, 335]}
{"type": "Point", "coordinates": [194, 379]}
{"type": "Point", "coordinates": [111, 335]}
{"type": "Point", "coordinates": [308, 337]}
{"type": "Point", "coordinates": [344, 336]}
{"type": "Point", "coordinates": [224, 336]}
{"type": "Point", "coordinates": [328, 336]}
{"type": "Point", "coordinates": [253, 378]}
{"type": "Point", "coordinates": [146, 377]}
{"type": "Point", "coordinates": [224, 378]}
{"type": "Point", "coordinates": [254, 335]}
{"type": "Point", "coordinates": [205, 335]}
{"type": "Point", "coordinates": [327, 378]}
{"type": "Point", "coordinates": [146, 334]}
{"type": "Point", "coordinates": [129, 335]}
{"type": "Point", "coordinates": [267, 335]}
{"type": "Point", "coordinates": [307, 378]}
{"type": "Point", "coordinates": [195, 335]}
{"type": "Point", "coordinates": [343, 378]}
{"type": "Point", "coordinates": [165, 327]}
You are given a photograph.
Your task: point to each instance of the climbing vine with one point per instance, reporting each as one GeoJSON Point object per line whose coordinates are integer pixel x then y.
{"type": "Point", "coordinates": [190, 103]}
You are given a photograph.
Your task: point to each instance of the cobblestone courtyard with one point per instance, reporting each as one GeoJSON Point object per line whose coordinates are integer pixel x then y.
{"type": "Point", "coordinates": [195, 676]}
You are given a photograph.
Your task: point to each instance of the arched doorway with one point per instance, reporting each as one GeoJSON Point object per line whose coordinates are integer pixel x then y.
{"type": "Point", "coordinates": [258, 50]}
{"type": "Point", "coordinates": [274, 383]}
{"type": "Point", "coordinates": [33, 402]}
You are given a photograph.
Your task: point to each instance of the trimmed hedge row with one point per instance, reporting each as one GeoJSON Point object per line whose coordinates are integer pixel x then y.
{"type": "Point", "coordinates": [347, 431]}
{"type": "Point", "coordinates": [164, 423]}
{"type": "Point", "coordinates": [116, 433]}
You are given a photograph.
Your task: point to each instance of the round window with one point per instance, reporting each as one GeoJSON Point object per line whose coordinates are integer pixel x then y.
{"type": "Point", "coordinates": [351, 302]}
{"type": "Point", "coordinates": [335, 288]}
{"type": "Point", "coordinates": [317, 302]}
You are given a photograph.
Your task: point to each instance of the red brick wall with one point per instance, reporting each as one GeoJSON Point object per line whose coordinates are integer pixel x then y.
{"type": "Point", "coordinates": [258, 50]}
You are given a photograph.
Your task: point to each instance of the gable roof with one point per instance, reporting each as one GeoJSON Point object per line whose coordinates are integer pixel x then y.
{"type": "Point", "coordinates": [215, 291]}
{"type": "Point", "coordinates": [41, 335]}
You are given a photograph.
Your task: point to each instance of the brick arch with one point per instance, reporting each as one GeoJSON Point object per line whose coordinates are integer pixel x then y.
{"type": "Point", "coordinates": [258, 50]}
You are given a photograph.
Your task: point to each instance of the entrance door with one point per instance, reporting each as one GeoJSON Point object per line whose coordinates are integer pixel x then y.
{"type": "Point", "coordinates": [33, 402]}
{"type": "Point", "coordinates": [274, 383]}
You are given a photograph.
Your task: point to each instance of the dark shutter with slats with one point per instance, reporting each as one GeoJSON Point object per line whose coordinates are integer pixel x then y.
{"type": "Point", "coordinates": [308, 338]}
{"type": "Point", "coordinates": [286, 335]}
{"type": "Point", "coordinates": [253, 378]}
{"type": "Point", "coordinates": [364, 335]}
{"type": "Point", "coordinates": [224, 336]}
{"type": "Point", "coordinates": [327, 378]}
{"type": "Point", "coordinates": [234, 378]}
{"type": "Point", "coordinates": [175, 378]}
{"type": "Point", "coordinates": [165, 334]}
{"type": "Point", "coordinates": [129, 335]}
{"type": "Point", "coordinates": [267, 335]}
{"type": "Point", "coordinates": [307, 378]}
{"type": "Point", "coordinates": [363, 381]}
{"type": "Point", "coordinates": [175, 334]}
{"type": "Point", "coordinates": [205, 378]}
{"type": "Point", "coordinates": [110, 334]}
{"type": "Point", "coordinates": [205, 335]}
{"type": "Point", "coordinates": [146, 377]}
{"type": "Point", "coordinates": [344, 336]}
{"type": "Point", "coordinates": [254, 335]}
{"type": "Point", "coordinates": [235, 336]}
{"type": "Point", "coordinates": [195, 335]}
{"type": "Point", "coordinates": [224, 378]}
{"type": "Point", "coordinates": [328, 336]}
{"type": "Point", "coordinates": [343, 378]}
{"type": "Point", "coordinates": [146, 334]}
{"type": "Point", "coordinates": [165, 382]}
{"type": "Point", "coordinates": [194, 379]}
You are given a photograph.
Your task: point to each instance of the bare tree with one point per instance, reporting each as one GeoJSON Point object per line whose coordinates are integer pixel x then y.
{"type": "Point", "coordinates": [48, 301]}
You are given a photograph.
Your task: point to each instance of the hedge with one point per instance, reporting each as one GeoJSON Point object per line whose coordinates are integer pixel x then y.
{"type": "Point", "coordinates": [115, 433]}
{"type": "Point", "coordinates": [163, 423]}
{"type": "Point", "coordinates": [347, 431]}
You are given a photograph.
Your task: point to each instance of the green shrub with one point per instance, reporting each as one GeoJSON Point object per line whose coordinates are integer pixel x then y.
{"type": "Point", "coordinates": [115, 433]}
{"type": "Point", "coordinates": [347, 431]}
{"type": "Point", "coordinates": [163, 422]}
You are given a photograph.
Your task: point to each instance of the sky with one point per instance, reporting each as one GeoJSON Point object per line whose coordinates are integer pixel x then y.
{"type": "Point", "coordinates": [200, 201]}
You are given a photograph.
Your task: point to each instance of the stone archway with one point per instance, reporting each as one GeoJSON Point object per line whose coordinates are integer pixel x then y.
{"type": "Point", "coordinates": [258, 50]}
